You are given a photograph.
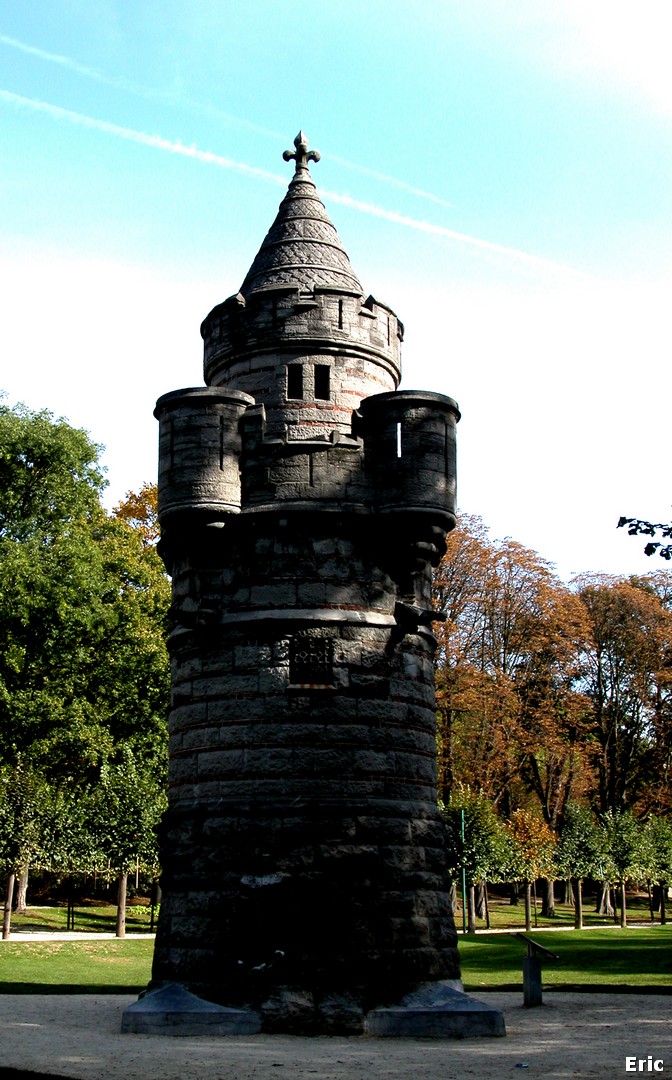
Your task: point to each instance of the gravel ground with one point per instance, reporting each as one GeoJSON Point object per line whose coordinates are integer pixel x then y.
{"type": "Point", "coordinates": [572, 1035]}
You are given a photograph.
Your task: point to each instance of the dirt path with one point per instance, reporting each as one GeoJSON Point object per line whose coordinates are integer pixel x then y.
{"type": "Point", "coordinates": [573, 1035]}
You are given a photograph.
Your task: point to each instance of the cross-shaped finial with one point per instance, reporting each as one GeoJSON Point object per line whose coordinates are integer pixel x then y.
{"type": "Point", "coordinates": [302, 155]}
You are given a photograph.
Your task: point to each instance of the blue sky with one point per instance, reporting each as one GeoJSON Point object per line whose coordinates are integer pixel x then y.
{"type": "Point", "coordinates": [499, 173]}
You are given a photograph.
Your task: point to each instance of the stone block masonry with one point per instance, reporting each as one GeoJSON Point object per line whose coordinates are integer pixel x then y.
{"type": "Point", "coordinates": [303, 501]}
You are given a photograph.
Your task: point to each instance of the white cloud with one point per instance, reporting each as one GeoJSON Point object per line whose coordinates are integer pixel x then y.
{"type": "Point", "coordinates": [565, 396]}
{"type": "Point", "coordinates": [626, 41]}
{"type": "Point", "coordinates": [618, 46]}
{"type": "Point", "coordinates": [97, 342]}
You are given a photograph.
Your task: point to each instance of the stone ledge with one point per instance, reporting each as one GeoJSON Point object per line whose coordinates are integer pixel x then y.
{"type": "Point", "coordinates": [172, 1010]}
{"type": "Point", "coordinates": [357, 617]}
{"type": "Point", "coordinates": [438, 1011]}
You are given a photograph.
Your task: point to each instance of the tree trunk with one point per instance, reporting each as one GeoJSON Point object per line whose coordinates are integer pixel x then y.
{"type": "Point", "coordinates": [528, 906]}
{"type": "Point", "coordinates": [471, 910]}
{"type": "Point", "coordinates": [121, 905]}
{"type": "Point", "coordinates": [487, 905]}
{"type": "Point", "coordinates": [513, 895]}
{"type": "Point", "coordinates": [578, 905]}
{"type": "Point", "coordinates": [650, 895]}
{"type": "Point", "coordinates": [663, 897]}
{"type": "Point", "coordinates": [9, 896]}
{"type": "Point", "coordinates": [604, 905]}
{"type": "Point", "coordinates": [480, 901]}
{"type": "Point", "coordinates": [548, 901]}
{"type": "Point", "coordinates": [569, 892]}
{"type": "Point", "coordinates": [21, 896]}
{"type": "Point", "coordinates": [624, 918]}
{"type": "Point", "coordinates": [452, 897]}
{"type": "Point", "coordinates": [156, 900]}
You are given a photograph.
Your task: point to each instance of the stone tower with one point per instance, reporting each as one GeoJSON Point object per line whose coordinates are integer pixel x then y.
{"type": "Point", "coordinates": [303, 501]}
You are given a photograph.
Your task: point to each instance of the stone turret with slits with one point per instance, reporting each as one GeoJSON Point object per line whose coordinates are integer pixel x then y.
{"type": "Point", "coordinates": [320, 363]}
{"type": "Point", "coordinates": [300, 336]}
{"type": "Point", "coordinates": [303, 501]}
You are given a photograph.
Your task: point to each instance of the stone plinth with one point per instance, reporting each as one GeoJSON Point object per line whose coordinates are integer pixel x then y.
{"type": "Point", "coordinates": [436, 1011]}
{"type": "Point", "coordinates": [172, 1010]}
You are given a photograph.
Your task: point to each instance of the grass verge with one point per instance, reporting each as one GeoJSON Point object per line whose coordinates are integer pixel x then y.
{"type": "Point", "coordinates": [597, 960]}
{"type": "Point", "coordinates": [91, 917]}
{"type": "Point", "coordinates": [77, 967]}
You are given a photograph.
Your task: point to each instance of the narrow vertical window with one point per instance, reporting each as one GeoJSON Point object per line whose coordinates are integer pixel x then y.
{"type": "Point", "coordinates": [221, 443]}
{"type": "Point", "coordinates": [399, 439]}
{"type": "Point", "coordinates": [340, 313]}
{"type": "Point", "coordinates": [322, 382]}
{"type": "Point", "coordinates": [295, 381]}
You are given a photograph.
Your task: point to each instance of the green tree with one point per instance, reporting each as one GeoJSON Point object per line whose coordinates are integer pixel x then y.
{"type": "Point", "coordinates": [22, 793]}
{"type": "Point", "coordinates": [84, 602]}
{"type": "Point", "coordinates": [659, 845]}
{"type": "Point", "coordinates": [532, 849]}
{"type": "Point", "coordinates": [579, 853]}
{"type": "Point", "coordinates": [626, 848]}
{"type": "Point", "coordinates": [50, 474]}
{"type": "Point", "coordinates": [127, 805]}
{"type": "Point", "coordinates": [479, 843]}
{"type": "Point", "coordinates": [639, 527]}
{"type": "Point", "coordinates": [83, 609]}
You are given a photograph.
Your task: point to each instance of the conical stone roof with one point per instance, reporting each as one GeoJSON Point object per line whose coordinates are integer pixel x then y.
{"type": "Point", "coordinates": [302, 247]}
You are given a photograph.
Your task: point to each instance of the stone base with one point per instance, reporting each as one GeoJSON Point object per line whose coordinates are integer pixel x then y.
{"type": "Point", "coordinates": [437, 1011]}
{"type": "Point", "coordinates": [172, 1010]}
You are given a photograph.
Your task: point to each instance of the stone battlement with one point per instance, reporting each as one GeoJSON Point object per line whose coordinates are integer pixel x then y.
{"type": "Point", "coordinates": [217, 458]}
{"type": "Point", "coordinates": [327, 320]}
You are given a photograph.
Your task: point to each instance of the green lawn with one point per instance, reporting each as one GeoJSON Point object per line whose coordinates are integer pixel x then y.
{"type": "Point", "coordinates": [90, 916]}
{"type": "Point", "coordinates": [591, 959]}
{"type": "Point", "coordinates": [504, 915]}
{"type": "Point", "coordinates": [77, 967]}
{"type": "Point", "coordinates": [95, 915]}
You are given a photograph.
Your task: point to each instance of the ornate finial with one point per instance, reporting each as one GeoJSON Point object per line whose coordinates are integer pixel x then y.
{"type": "Point", "coordinates": [302, 155]}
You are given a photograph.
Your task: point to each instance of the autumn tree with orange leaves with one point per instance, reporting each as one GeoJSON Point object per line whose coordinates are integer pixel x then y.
{"type": "Point", "coordinates": [627, 676]}
{"type": "Point", "coordinates": [511, 716]}
{"type": "Point", "coordinates": [552, 696]}
{"type": "Point", "coordinates": [140, 510]}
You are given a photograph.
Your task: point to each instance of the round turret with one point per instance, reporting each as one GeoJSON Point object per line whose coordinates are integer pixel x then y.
{"type": "Point", "coordinates": [300, 336]}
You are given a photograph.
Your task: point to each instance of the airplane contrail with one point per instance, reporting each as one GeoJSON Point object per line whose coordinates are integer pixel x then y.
{"type": "Point", "coordinates": [205, 108]}
{"type": "Point", "coordinates": [146, 92]}
{"type": "Point", "coordinates": [130, 134]}
{"type": "Point", "coordinates": [157, 142]}
{"type": "Point", "coordinates": [56, 58]}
